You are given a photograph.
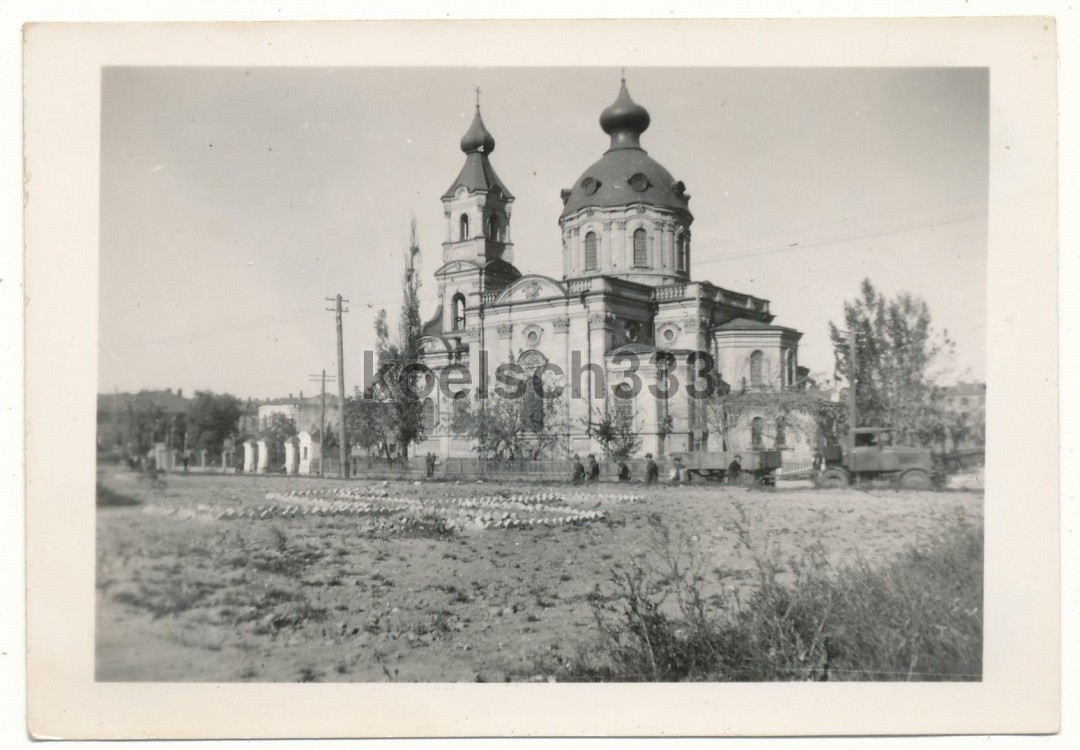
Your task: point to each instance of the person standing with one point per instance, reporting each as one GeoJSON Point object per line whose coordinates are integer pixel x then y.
{"type": "Point", "coordinates": [577, 474]}
{"type": "Point", "coordinates": [429, 464]}
{"type": "Point", "coordinates": [594, 469]}
{"type": "Point", "coordinates": [734, 470]}
{"type": "Point", "coordinates": [652, 471]}
{"type": "Point", "coordinates": [624, 472]}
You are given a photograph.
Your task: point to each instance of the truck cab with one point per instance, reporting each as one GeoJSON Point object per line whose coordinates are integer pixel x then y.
{"type": "Point", "coordinates": [872, 453]}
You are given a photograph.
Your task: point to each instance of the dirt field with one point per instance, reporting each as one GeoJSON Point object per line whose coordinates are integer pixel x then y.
{"type": "Point", "coordinates": [211, 580]}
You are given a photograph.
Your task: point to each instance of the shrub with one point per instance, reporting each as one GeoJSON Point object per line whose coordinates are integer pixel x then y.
{"type": "Point", "coordinates": [918, 617]}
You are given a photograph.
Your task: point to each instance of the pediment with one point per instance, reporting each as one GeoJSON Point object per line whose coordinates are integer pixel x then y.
{"type": "Point", "coordinates": [455, 266]}
{"type": "Point", "coordinates": [433, 345]}
{"type": "Point", "coordinates": [529, 288]}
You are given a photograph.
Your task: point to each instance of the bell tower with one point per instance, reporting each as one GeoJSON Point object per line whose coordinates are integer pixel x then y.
{"type": "Point", "coordinates": [477, 205]}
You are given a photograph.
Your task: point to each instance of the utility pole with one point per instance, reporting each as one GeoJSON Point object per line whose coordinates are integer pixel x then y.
{"type": "Point", "coordinates": [322, 417]}
{"type": "Point", "coordinates": [852, 378]}
{"type": "Point", "coordinates": [337, 300]}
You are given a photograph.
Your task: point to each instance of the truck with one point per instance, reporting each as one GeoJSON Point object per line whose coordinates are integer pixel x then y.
{"type": "Point", "coordinates": [759, 463]}
{"type": "Point", "coordinates": [870, 453]}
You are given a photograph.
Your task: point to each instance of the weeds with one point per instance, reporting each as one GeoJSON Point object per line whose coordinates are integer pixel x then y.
{"type": "Point", "coordinates": [106, 498]}
{"type": "Point", "coordinates": [916, 618]}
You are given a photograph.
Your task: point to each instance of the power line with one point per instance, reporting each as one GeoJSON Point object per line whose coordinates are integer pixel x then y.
{"type": "Point", "coordinates": [968, 201]}
{"type": "Point", "coordinates": [845, 237]}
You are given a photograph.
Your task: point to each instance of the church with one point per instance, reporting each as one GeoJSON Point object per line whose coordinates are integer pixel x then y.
{"type": "Point", "coordinates": [627, 291]}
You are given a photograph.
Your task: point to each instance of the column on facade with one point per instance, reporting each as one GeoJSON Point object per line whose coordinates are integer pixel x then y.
{"type": "Point", "coordinates": [600, 328]}
{"type": "Point", "coordinates": [559, 348]}
{"type": "Point", "coordinates": [607, 247]}
{"type": "Point", "coordinates": [575, 252]}
{"type": "Point", "coordinates": [505, 332]}
{"type": "Point", "coordinates": [667, 237]}
{"type": "Point", "coordinates": [263, 456]}
{"type": "Point", "coordinates": [618, 244]}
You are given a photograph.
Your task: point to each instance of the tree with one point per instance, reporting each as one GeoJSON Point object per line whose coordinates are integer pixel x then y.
{"type": "Point", "coordinates": [371, 421]}
{"type": "Point", "coordinates": [618, 433]}
{"type": "Point", "coordinates": [275, 432]}
{"type": "Point", "coordinates": [805, 411]}
{"type": "Point", "coordinates": [899, 358]}
{"type": "Point", "coordinates": [212, 420]}
{"type": "Point", "coordinates": [508, 428]}
{"type": "Point", "coordinates": [147, 423]}
{"type": "Point", "coordinates": [398, 353]}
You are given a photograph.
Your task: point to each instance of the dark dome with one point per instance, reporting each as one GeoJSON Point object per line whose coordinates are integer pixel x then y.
{"type": "Point", "coordinates": [626, 174]}
{"type": "Point", "coordinates": [477, 137]}
{"type": "Point", "coordinates": [622, 178]}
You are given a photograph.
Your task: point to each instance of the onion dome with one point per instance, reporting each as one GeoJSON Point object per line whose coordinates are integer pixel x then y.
{"type": "Point", "coordinates": [624, 121]}
{"type": "Point", "coordinates": [626, 175]}
{"type": "Point", "coordinates": [477, 175]}
{"type": "Point", "coordinates": [477, 137]}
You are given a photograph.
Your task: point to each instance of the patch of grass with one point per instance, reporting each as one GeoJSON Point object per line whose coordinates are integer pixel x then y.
{"type": "Point", "coordinates": [918, 617]}
{"type": "Point", "coordinates": [106, 498]}
{"type": "Point", "coordinates": [166, 596]}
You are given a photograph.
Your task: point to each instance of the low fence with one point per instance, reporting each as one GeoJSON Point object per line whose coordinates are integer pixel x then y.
{"type": "Point", "coordinates": [469, 468]}
{"type": "Point", "coordinates": [472, 468]}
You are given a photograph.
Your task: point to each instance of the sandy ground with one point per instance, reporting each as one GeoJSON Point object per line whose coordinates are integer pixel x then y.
{"type": "Point", "coordinates": [184, 595]}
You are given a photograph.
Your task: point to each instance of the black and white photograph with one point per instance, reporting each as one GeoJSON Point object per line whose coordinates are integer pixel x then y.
{"type": "Point", "coordinates": [598, 373]}
{"type": "Point", "coordinates": [593, 428]}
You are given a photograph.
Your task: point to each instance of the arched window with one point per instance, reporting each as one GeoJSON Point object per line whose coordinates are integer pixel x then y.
{"type": "Point", "coordinates": [458, 312]}
{"type": "Point", "coordinates": [494, 231]}
{"type": "Point", "coordinates": [624, 404]}
{"type": "Point", "coordinates": [532, 405]}
{"type": "Point", "coordinates": [641, 248]}
{"type": "Point", "coordinates": [463, 227]}
{"type": "Point", "coordinates": [682, 252]}
{"type": "Point", "coordinates": [757, 438]}
{"type": "Point", "coordinates": [791, 374]}
{"type": "Point", "coordinates": [429, 415]}
{"type": "Point", "coordinates": [781, 433]}
{"type": "Point", "coordinates": [591, 263]}
{"type": "Point", "coordinates": [755, 368]}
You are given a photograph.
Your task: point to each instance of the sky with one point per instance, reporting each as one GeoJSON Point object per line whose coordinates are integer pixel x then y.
{"type": "Point", "coordinates": [234, 201]}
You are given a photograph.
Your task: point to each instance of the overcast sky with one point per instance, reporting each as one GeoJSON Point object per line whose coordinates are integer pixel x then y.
{"type": "Point", "coordinates": [234, 200]}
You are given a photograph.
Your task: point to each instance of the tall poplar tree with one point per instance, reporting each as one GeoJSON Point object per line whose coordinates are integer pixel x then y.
{"type": "Point", "coordinates": [900, 358]}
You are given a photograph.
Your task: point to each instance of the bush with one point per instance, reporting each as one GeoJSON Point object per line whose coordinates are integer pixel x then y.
{"type": "Point", "coordinates": [917, 618]}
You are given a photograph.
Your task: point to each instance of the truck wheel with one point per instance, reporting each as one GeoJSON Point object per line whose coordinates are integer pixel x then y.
{"type": "Point", "coordinates": [834, 479]}
{"type": "Point", "coordinates": [915, 479]}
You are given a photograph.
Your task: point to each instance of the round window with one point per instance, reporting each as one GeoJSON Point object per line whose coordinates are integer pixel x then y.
{"type": "Point", "coordinates": [669, 335]}
{"type": "Point", "coordinates": [533, 338]}
{"type": "Point", "coordinates": [639, 182]}
{"type": "Point", "coordinates": [590, 185]}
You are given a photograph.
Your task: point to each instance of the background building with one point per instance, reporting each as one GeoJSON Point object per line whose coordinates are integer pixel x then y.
{"type": "Point", "coordinates": [305, 412]}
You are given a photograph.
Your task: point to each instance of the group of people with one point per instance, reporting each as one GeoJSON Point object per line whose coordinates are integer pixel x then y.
{"type": "Point", "coordinates": [580, 474]}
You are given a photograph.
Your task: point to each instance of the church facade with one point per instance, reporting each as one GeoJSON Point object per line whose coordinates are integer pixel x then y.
{"type": "Point", "coordinates": [627, 292]}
